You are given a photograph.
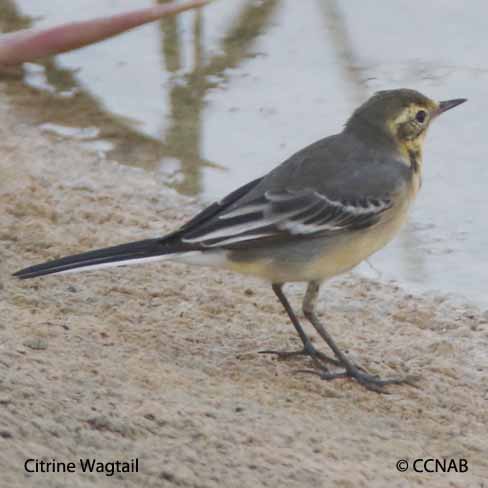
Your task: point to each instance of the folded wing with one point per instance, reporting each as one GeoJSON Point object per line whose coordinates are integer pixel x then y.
{"type": "Point", "coordinates": [285, 214]}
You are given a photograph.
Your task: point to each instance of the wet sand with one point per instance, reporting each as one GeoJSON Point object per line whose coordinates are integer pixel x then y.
{"type": "Point", "coordinates": [161, 362]}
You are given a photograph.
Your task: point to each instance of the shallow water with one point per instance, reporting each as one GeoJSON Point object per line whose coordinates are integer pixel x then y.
{"type": "Point", "coordinates": [214, 98]}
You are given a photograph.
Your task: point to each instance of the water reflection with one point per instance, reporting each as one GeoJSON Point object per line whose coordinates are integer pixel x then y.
{"type": "Point", "coordinates": [183, 137]}
{"type": "Point", "coordinates": [213, 98]}
{"type": "Point", "coordinates": [10, 19]}
{"type": "Point", "coordinates": [339, 36]}
{"type": "Point", "coordinates": [132, 145]}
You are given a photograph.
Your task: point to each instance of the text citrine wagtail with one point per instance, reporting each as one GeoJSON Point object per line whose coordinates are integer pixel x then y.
{"type": "Point", "coordinates": [318, 214]}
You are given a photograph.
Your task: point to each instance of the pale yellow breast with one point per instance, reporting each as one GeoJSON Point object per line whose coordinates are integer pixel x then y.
{"type": "Point", "coordinates": [339, 254]}
{"type": "Point", "coordinates": [356, 248]}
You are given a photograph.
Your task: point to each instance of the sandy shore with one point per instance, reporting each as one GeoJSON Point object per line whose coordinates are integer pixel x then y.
{"type": "Point", "coordinates": [161, 363]}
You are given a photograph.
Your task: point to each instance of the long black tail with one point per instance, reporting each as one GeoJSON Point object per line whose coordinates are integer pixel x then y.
{"type": "Point", "coordinates": [110, 256]}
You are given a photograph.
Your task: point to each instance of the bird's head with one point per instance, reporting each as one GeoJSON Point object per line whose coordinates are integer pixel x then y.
{"type": "Point", "coordinates": [401, 116]}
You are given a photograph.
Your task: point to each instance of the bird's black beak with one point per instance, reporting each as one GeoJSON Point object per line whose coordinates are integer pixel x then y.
{"type": "Point", "coordinates": [448, 104]}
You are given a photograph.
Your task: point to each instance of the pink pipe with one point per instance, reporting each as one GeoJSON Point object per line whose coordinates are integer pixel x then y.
{"type": "Point", "coordinates": [30, 44]}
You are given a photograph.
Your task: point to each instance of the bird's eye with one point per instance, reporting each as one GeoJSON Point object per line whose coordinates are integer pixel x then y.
{"type": "Point", "coordinates": [420, 116]}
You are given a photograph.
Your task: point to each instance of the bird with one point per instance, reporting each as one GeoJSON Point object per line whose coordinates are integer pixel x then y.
{"type": "Point", "coordinates": [318, 214]}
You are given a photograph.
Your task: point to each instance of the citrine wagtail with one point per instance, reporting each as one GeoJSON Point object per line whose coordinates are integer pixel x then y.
{"type": "Point", "coordinates": [318, 214]}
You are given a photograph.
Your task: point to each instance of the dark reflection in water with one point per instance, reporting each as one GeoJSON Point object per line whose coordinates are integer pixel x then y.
{"type": "Point", "coordinates": [10, 19]}
{"type": "Point", "coordinates": [81, 109]}
{"type": "Point", "coordinates": [339, 37]}
{"type": "Point", "coordinates": [183, 137]}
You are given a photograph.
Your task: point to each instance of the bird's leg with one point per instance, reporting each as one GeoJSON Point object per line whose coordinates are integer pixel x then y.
{"type": "Point", "coordinates": [351, 371]}
{"type": "Point", "coordinates": [308, 348]}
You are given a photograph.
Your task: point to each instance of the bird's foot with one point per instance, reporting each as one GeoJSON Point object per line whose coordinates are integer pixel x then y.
{"type": "Point", "coordinates": [308, 350]}
{"type": "Point", "coordinates": [370, 382]}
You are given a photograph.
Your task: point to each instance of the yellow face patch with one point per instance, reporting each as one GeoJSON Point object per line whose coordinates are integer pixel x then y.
{"type": "Point", "coordinates": [412, 121]}
{"type": "Point", "coordinates": [409, 128]}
